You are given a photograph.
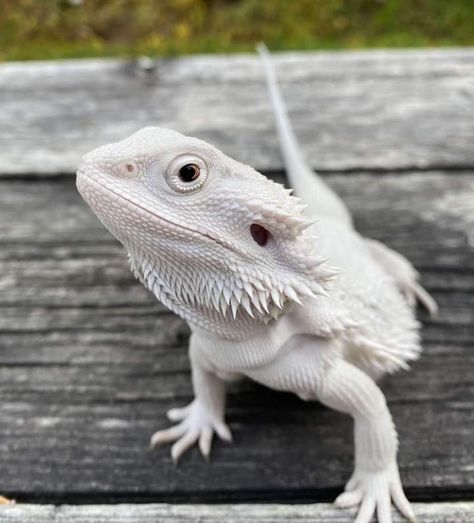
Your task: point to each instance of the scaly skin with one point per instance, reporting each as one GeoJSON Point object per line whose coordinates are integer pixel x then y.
{"type": "Point", "coordinates": [321, 317]}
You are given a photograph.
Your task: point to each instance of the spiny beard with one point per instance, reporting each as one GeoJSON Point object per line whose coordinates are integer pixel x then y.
{"type": "Point", "coordinates": [238, 290]}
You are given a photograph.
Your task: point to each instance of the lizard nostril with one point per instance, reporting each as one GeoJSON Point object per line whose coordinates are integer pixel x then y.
{"type": "Point", "coordinates": [259, 234]}
{"type": "Point", "coordinates": [128, 169]}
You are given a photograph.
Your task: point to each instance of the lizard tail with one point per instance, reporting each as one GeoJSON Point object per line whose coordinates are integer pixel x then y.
{"type": "Point", "coordinates": [319, 198]}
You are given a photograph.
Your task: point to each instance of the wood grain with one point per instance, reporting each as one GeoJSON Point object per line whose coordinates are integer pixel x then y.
{"type": "Point", "coordinates": [89, 363]}
{"type": "Point", "coordinates": [163, 513]}
{"type": "Point", "coordinates": [352, 110]}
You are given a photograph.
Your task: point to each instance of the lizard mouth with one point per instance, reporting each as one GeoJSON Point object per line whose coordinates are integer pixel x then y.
{"type": "Point", "coordinates": [170, 224]}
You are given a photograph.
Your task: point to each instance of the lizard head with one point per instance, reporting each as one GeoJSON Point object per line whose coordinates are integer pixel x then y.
{"type": "Point", "coordinates": [203, 232]}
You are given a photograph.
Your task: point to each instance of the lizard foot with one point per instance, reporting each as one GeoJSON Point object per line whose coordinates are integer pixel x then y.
{"type": "Point", "coordinates": [373, 491]}
{"type": "Point", "coordinates": [196, 424]}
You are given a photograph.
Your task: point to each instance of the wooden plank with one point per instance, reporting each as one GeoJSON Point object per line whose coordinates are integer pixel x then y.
{"type": "Point", "coordinates": [89, 362]}
{"type": "Point", "coordinates": [352, 110]}
{"type": "Point", "coordinates": [460, 512]}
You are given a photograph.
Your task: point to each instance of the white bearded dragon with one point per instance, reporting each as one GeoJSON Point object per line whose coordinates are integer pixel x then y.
{"type": "Point", "coordinates": [233, 253]}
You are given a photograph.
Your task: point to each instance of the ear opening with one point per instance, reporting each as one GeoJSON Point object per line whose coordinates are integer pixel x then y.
{"type": "Point", "coordinates": [260, 234]}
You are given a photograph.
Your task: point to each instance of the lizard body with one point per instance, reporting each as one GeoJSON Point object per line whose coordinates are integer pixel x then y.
{"type": "Point", "coordinates": [233, 253]}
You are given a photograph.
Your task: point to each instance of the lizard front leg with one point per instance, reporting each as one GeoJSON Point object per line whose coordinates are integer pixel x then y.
{"type": "Point", "coordinates": [376, 480]}
{"type": "Point", "coordinates": [198, 421]}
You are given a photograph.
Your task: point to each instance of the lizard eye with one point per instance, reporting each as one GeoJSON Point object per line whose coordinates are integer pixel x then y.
{"type": "Point", "coordinates": [189, 172]}
{"type": "Point", "coordinates": [186, 174]}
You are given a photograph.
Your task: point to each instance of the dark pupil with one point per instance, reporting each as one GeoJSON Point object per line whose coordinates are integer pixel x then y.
{"type": "Point", "coordinates": [189, 172]}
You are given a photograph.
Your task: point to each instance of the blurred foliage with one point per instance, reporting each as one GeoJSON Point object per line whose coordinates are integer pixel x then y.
{"type": "Point", "coordinates": [34, 29]}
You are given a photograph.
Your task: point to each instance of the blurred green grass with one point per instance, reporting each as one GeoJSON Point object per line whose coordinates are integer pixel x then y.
{"type": "Point", "coordinates": [45, 29]}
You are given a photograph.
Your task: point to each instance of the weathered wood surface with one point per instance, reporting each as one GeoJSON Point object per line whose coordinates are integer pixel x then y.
{"type": "Point", "coordinates": [352, 110]}
{"type": "Point", "coordinates": [89, 363]}
{"type": "Point", "coordinates": [152, 513]}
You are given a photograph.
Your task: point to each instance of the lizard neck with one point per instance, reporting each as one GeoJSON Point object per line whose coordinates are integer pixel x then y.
{"type": "Point", "coordinates": [199, 316]}
{"type": "Point", "coordinates": [211, 321]}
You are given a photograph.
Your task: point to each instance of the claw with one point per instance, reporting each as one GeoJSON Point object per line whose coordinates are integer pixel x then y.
{"type": "Point", "coordinates": [224, 432]}
{"type": "Point", "coordinates": [366, 511]}
{"type": "Point", "coordinates": [182, 445]}
{"type": "Point", "coordinates": [177, 414]}
{"type": "Point", "coordinates": [167, 436]}
{"type": "Point", "coordinates": [349, 499]}
{"type": "Point", "coordinates": [401, 501]}
{"type": "Point", "coordinates": [205, 441]}
{"type": "Point", "coordinates": [384, 508]}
